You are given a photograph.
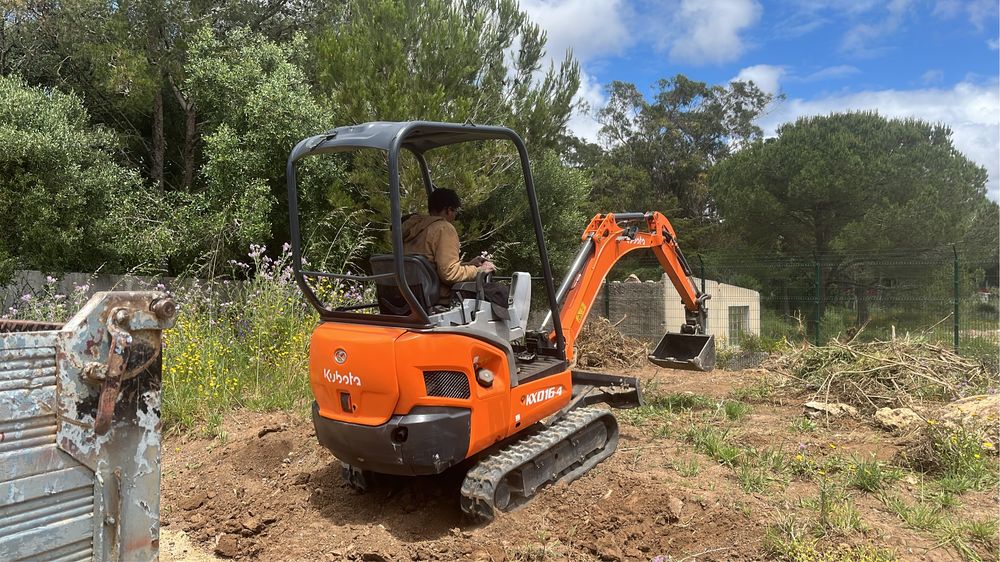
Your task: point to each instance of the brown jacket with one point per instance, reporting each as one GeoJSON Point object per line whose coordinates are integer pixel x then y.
{"type": "Point", "coordinates": [436, 239]}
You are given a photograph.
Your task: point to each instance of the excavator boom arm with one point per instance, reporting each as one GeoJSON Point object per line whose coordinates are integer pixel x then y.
{"type": "Point", "coordinates": [606, 239]}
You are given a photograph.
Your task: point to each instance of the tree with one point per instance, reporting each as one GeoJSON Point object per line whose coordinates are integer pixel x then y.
{"type": "Point", "coordinates": [661, 150]}
{"type": "Point", "coordinates": [256, 104]}
{"type": "Point", "coordinates": [68, 205]}
{"type": "Point", "coordinates": [562, 193]}
{"type": "Point", "coordinates": [477, 61]}
{"type": "Point", "coordinates": [844, 185]}
{"type": "Point", "coordinates": [127, 61]}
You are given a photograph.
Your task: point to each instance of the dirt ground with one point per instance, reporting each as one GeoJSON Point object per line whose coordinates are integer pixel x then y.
{"type": "Point", "coordinates": [268, 491]}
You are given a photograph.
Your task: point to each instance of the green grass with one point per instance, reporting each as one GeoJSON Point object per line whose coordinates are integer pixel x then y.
{"type": "Point", "coordinates": [758, 391]}
{"type": "Point", "coordinates": [959, 459]}
{"type": "Point", "coordinates": [983, 532]}
{"type": "Point", "coordinates": [736, 411]}
{"type": "Point", "coordinates": [252, 355]}
{"type": "Point", "coordinates": [938, 514]}
{"type": "Point", "coordinates": [662, 407]}
{"type": "Point", "coordinates": [794, 539]}
{"type": "Point", "coordinates": [752, 478]}
{"type": "Point", "coordinates": [870, 475]}
{"type": "Point", "coordinates": [681, 401]}
{"type": "Point", "coordinates": [713, 442]}
{"type": "Point", "coordinates": [688, 467]}
{"type": "Point", "coordinates": [803, 425]}
{"type": "Point", "coordinates": [240, 345]}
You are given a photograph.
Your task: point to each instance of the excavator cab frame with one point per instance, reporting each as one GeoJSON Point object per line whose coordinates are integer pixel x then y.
{"type": "Point", "coordinates": [418, 138]}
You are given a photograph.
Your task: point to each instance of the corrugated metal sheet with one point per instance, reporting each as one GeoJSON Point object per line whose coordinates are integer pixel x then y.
{"type": "Point", "coordinates": [68, 492]}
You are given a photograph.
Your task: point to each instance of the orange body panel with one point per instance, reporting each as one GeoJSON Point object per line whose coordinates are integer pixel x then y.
{"type": "Point", "coordinates": [535, 400]}
{"type": "Point", "coordinates": [382, 373]}
{"type": "Point", "coordinates": [358, 360]}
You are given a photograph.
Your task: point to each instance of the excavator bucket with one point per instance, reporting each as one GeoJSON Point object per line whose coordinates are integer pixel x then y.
{"type": "Point", "coordinates": [687, 352]}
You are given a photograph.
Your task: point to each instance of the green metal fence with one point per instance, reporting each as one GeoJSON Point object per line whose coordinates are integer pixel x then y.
{"type": "Point", "coordinates": [761, 300]}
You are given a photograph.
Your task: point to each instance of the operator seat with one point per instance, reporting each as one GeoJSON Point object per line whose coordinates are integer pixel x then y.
{"type": "Point", "coordinates": [421, 276]}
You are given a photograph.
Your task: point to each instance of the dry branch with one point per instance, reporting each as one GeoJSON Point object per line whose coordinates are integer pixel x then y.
{"type": "Point", "coordinates": [877, 374]}
{"type": "Point", "coordinates": [601, 345]}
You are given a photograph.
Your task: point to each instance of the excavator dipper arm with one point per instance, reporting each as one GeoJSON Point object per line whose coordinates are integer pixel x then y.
{"type": "Point", "coordinates": [606, 239]}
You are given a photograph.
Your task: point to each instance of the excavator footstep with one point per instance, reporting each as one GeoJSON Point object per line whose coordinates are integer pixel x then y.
{"type": "Point", "coordinates": [687, 352]}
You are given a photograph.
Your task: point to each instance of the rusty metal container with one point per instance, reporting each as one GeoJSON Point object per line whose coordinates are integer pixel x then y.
{"type": "Point", "coordinates": [80, 432]}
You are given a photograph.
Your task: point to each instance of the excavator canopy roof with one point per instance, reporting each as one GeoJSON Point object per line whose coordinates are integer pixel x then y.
{"type": "Point", "coordinates": [416, 136]}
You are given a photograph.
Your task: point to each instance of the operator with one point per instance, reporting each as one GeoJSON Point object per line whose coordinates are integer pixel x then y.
{"type": "Point", "coordinates": [434, 237]}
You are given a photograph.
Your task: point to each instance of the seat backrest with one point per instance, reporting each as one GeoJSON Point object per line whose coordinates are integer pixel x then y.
{"type": "Point", "coordinates": [520, 299]}
{"type": "Point", "coordinates": [421, 276]}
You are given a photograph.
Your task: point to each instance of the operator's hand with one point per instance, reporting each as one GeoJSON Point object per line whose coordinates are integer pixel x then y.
{"type": "Point", "coordinates": [487, 266]}
{"type": "Point", "coordinates": [477, 261]}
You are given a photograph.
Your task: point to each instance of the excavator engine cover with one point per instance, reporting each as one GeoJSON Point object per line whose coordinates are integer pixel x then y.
{"type": "Point", "coordinates": [687, 352]}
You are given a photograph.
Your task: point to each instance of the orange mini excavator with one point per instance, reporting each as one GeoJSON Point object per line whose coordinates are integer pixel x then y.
{"type": "Point", "coordinates": [406, 386]}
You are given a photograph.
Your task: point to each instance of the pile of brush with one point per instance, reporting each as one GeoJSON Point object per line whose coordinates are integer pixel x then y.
{"type": "Point", "coordinates": [898, 373]}
{"type": "Point", "coordinates": [601, 346]}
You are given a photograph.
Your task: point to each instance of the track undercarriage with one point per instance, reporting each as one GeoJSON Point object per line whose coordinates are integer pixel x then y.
{"type": "Point", "coordinates": [564, 448]}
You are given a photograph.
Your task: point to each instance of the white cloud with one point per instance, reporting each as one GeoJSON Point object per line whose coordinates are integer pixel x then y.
{"type": "Point", "coordinates": [971, 110]}
{"type": "Point", "coordinates": [993, 44]}
{"type": "Point", "coordinates": [978, 12]}
{"type": "Point", "coordinates": [766, 77]}
{"type": "Point", "coordinates": [709, 30]}
{"type": "Point", "coordinates": [932, 76]}
{"type": "Point", "coordinates": [831, 73]}
{"type": "Point", "coordinates": [583, 123]}
{"type": "Point", "coordinates": [590, 27]}
{"type": "Point", "coordinates": [861, 40]}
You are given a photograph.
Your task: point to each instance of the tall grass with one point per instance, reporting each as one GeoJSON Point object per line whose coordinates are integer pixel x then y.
{"type": "Point", "coordinates": [235, 344]}
{"type": "Point", "coordinates": [240, 345]}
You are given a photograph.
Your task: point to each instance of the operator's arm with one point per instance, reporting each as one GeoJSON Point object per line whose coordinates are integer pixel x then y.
{"type": "Point", "coordinates": [443, 240]}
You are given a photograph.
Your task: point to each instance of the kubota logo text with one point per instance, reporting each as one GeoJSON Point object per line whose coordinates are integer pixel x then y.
{"type": "Point", "coordinates": [542, 395]}
{"type": "Point", "coordinates": [350, 379]}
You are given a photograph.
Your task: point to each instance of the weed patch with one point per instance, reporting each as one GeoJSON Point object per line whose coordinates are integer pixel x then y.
{"type": "Point", "coordinates": [960, 458]}
{"type": "Point", "coordinates": [870, 475]}
{"type": "Point", "coordinates": [736, 411]}
{"type": "Point", "coordinates": [712, 442]}
{"type": "Point", "coordinates": [758, 391]}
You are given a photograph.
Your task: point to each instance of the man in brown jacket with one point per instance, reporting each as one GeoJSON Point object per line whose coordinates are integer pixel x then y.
{"type": "Point", "coordinates": [434, 237]}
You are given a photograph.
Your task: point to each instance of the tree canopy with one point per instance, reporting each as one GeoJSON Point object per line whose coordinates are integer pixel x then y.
{"type": "Point", "coordinates": [849, 182]}
{"type": "Point", "coordinates": [170, 122]}
{"type": "Point", "coordinates": [66, 201]}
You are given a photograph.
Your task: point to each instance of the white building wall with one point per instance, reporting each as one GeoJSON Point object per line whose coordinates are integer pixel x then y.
{"type": "Point", "coordinates": [649, 309]}
{"type": "Point", "coordinates": [724, 296]}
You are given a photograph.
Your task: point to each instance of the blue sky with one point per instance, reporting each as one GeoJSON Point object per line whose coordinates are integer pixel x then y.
{"type": "Point", "coordinates": [937, 60]}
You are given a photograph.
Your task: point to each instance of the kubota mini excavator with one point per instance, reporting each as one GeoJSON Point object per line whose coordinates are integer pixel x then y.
{"type": "Point", "coordinates": [405, 386]}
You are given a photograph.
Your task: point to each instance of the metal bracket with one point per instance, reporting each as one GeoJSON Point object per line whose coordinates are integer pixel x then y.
{"type": "Point", "coordinates": [121, 341]}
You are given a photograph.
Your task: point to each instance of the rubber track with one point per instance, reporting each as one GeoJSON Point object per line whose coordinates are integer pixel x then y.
{"type": "Point", "coordinates": [479, 487]}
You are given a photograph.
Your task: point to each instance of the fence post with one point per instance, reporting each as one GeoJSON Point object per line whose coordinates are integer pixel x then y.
{"type": "Point", "coordinates": [816, 313]}
{"type": "Point", "coordinates": [702, 262]}
{"type": "Point", "coordinates": [956, 296]}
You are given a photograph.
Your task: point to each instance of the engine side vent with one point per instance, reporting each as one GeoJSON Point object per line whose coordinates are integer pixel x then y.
{"type": "Point", "coordinates": [448, 384]}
